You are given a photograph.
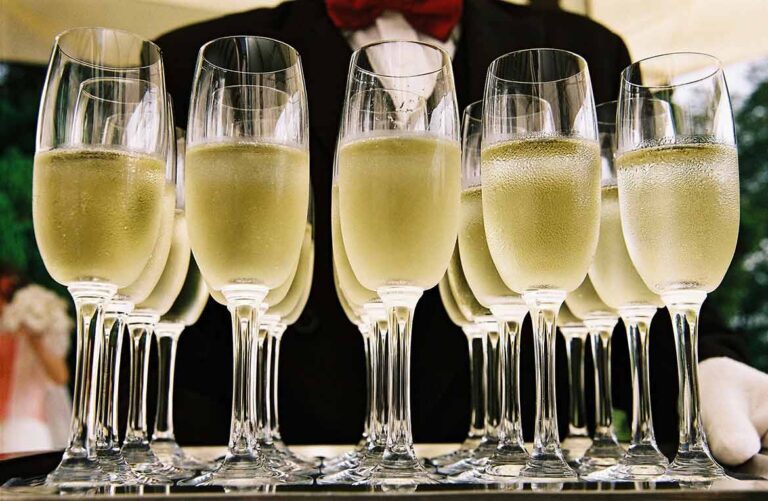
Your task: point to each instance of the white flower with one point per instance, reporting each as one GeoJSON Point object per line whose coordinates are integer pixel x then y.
{"type": "Point", "coordinates": [39, 310]}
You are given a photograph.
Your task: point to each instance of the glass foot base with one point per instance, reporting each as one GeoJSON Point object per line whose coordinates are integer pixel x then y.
{"type": "Point", "coordinates": [148, 466]}
{"type": "Point", "coordinates": [283, 462]}
{"type": "Point", "coordinates": [573, 448]}
{"type": "Point", "coordinates": [330, 464]}
{"type": "Point", "coordinates": [307, 463]}
{"type": "Point", "coordinates": [351, 460]}
{"type": "Point", "coordinates": [112, 462]}
{"type": "Point", "coordinates": [170, 453]}
{"type": "Point", "coordinates": [449, 458]}
{"type": "Point", "coordinates": [546, 467]}
{"type": "Point", "coordinates": [507, 462]}
{"type": "Point", "coordinates": [78, 472]}
{"type": "Point", "coordinates": [393, 473]}
{"type": "Point", "coordinates": [694, 466]}
{"type": "Point", "coordinates": [603, 453]}
{"type": "Point", "coordinates": [246, 471]}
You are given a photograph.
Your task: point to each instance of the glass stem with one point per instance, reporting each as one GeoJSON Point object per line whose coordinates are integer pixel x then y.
{"type": "Point", "coordinates": [367, 332]}
{"type": "Point", "coordinates": [476, 400]}
{"type": "Point", "coordinates": [276, 336]}
{"type": "Point", "coordinates": [89, 303]}
{"type": "Point", "coordinates": [510, 322]}
{"type": "Point", "coordinates": [575, 350]}
{"type": "Point", "coordinates": [637, 323]}
{"type": "Point", "coordinates": [261, 372]}
{"type": "Point", "coordinates": [140, 328]}
{"type": "Point", "coordinates": [167, 337]}
{"type": "Point", "coordinates": [544, 306]}
{"type": "Point", "coordinates": [109, 375]}
{"type": "Point", "coordinates": [600, 339]}
{"type": "Point", "coordinates": [684, 307]}
{"type": "Point", "coordinates": [381, 383]}
{"type": "Point", "coordinates": [400, 303]}
{"type": "Point", "coordinates": [492, 379]}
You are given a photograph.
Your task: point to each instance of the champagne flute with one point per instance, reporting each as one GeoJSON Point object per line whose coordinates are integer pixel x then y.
{"type": "Point", "coordinates": [185, 311]}
{"type": "Point", "coordinates": [678, 182]}
{"type": "Point", "coordinates": [354, 466]}
{"type": "Point", "coordinates": [575, 335]}
{"type": "Point", "coordinates": [280, 313]}
{"type": "Point", "coordinates": [474, 336]}
{"type": "Point", "coordinates": [97, 195]}
{"type": "Point", "coordinates": [600, 320]}
{"type": "Point", "coordinates": [399, 181]}
{"type": "Point", "coordinates": [247, 194]}
{"type": "Point", "coordinates": [620, 286]}
{"type": "Point", "coordinates": [541, 162]}
{"type": "Point", "coordinates": [506, 306]}
{"type": "Point", "coordinates": [489, 328]}
{"type": "Point", "coordinates": [109, 454]}
{"type": "Point", "coordinates": [152, 295]}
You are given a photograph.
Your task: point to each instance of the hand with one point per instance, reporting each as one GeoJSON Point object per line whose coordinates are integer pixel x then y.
{"type": "Point", "coordinates": [734, 407]}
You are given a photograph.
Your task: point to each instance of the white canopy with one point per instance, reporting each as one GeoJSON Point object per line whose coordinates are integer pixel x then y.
{"type": "Point", "coordinates": [733, 30]}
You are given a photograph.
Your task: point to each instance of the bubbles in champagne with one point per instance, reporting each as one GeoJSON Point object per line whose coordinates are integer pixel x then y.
{"type": "Point", "coordinates": [680, 213]}
{"type": "Point", "coordinates": [541, 204]}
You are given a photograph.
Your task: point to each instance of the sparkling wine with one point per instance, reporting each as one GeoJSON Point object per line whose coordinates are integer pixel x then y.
{"type": "Point", "coordinates": [96, 213]}
{"type": "Point", "coordinates": [541, 203]}
{"type": "Point", "coordinates": [168, 287]}
{"type": "Point", "coordinates": [479, 268]}
{"type": "Point", "coordinates": [399, 207]}
{"type": "Point", "coordinates": [612, 273]}
{"type": "Point", "coordinates": [139, 290]}
{"type": "Point", "coordinates": [247, 208]}
{"type": "Point", "coordinates": [680, 213]}
{"type": "Point", "coordinates": [191, 301]}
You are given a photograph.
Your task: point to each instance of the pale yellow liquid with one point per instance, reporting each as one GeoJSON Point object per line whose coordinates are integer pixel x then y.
{"type": "Point", "coordinates": [468, 305]}
{"type": "Point", "coordinates": [141, 288]}
{"type": "Point", "coordinates": [680, 213]}
{"type": "Point", "coordinates": [479, 268]}
{"type": "Point", "coordinates": [541, 203]}
{"type": "Point", "coordinates": [191, 301]}
{"type": "Point", "coordinates": [451, 308]}
{"type": "Point", "coordinates": [302, 282]}
{"type": "Point", "coordinates": [247, 208]}
{"type": "Point", "coordinates": [399, 208]}
{"type": "Point", "coordinates": [217, 296]}
{"type": "Point", "coordinates": [567, 319]}
{"type": "Point", "coordinates": [612, 273]}
{"type": "Point", "coordinates": [353, 290]}
{"type": "Point", "coordinates": [585, 303]}
{"type": "Point", "coordinates": [168, 287]}
{"type": "Point", "coordinates": [277, 294]}
{"type": "Point", "coordinates": [348, 311]}
{"type": "Point", "coordinates": [96, 213]}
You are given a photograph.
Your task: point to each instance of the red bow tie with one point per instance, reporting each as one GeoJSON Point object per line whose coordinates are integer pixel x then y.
{"type": "Point", "coordinates": [435, 18]}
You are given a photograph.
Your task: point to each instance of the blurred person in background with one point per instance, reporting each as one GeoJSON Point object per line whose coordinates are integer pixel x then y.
{"type": "Point", "coordinates": [322, 382]}
{"type": "Point", "coordinates": [35, 330]}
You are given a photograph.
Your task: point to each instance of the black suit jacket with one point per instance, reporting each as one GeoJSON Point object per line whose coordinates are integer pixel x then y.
{"type": "Point", "coordinates": [322, 383]}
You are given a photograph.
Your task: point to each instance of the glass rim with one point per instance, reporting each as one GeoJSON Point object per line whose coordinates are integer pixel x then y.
{"type": "Point", "coordinates": [470, 112]}
{"type": "Point", "coordinates": [584, 67]}
{"type": "Point", "coordinates": [58, 46]}
{"type": "Point", "coordinates": [206, 60]}
{"type": "Point", "coordinates": [717, 68]}
{"type": "Point", "coordinates": [446, 60]}
{"type": "Point", "coordinates": [605, 104]}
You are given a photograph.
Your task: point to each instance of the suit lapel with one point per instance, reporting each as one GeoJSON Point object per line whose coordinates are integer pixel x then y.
{"type": "Point", "coordinates": [511, 28]}
{"type": "Point", "coordinates": [325, 57]}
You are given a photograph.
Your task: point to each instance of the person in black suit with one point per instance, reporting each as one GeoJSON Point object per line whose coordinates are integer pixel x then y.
{"type": "Point", "coordinates": [322, 374]}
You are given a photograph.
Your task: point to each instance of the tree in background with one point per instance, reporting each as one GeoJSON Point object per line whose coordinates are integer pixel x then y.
{"type": "Point", "coordinates": [743, 296]}
{"type": "Point", "coordinates": [20, 90]}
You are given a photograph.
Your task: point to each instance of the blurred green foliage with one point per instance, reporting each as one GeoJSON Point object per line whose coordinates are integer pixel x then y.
{"type": "Point", "coordinates": [743, 296]}
{"type": "Point", "coordinates": [20, 89]}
